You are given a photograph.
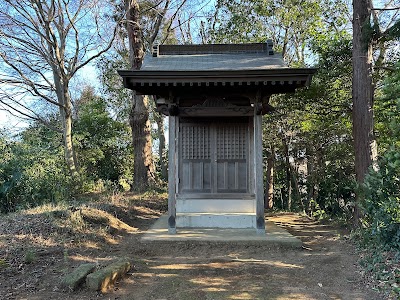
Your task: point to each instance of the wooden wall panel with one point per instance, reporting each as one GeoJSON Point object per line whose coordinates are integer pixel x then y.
{"type": "Point", "coordinates": [214, 157]}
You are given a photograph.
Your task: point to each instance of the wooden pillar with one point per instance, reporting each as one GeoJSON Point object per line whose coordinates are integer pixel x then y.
{"type": "Point", "coordinates": [172, 163]}
{"type": "Point", "coordinates": [258, 173]}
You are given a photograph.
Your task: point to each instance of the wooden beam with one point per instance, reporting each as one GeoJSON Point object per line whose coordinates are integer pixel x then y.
{"type": "Point", "coordinates": [234, 111]}
{"type": "Point", "coordinates": [258, 173]}
{"type": "Point", "coordinates": [172, 163]}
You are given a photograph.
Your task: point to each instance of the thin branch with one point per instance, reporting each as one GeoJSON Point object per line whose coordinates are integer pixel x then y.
{"type": "Point", "coordinates": [29, 82]}
{"type": "Point", "coordinates": [150, 8]}
{"type": "Point", "coordinates": [20, 83]}
{"type": "Point", "coordinates": [13, 114]}
{"type": "Point", "coordinates": [98, 54]}
{"type": "Point", "coordinates": [386, 9]}
{"type": "Point", "coordinates": [76, 55]}
{"type": "Point", "coordinates": [27, 116]}
{"type": "Point", "coordinates": [160, 17]}
{"type": "Point", "coordinates": [172, 19]}
{"type": "Point", "coordinates": [385, 68]}
{"type": "Point", "coordinates": [30, 66]}
{"type": "Point", "coordinates": [27, 15]}
{"type": "Point", "coordinates": [193, 15]}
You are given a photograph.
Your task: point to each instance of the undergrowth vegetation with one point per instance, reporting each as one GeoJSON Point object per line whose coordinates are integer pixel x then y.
{"type": "Point", "coordinates": [380, 233]}
{"type": "Point", "coordinates": [32, 164]}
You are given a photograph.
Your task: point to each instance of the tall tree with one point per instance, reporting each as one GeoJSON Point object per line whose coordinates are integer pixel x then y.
{"type": "Point", "coordinates": [139, 113]}
{"type": "Point", "coordinates": [147, 22]}
{"type": "Point", "coordinates": [367, 32]}
{"type": "Point", "coordinates": [363, 92]}
{"type": "Point", "coordinates": [42, 47]}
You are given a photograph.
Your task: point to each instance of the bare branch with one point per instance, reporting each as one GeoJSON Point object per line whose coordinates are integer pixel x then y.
{"type": "Point", "coordinates": [160, 17]}
{"type": "Point", "coordinates": [77, 48]}
{"type": "Point", "coordinates": [25, 116]}
{"type": "Point", "coordinates": [29, 82]}
{"type": "Point", "coordinates": [98, 53]}
{"type": "Point", "coordinates": [169, 29]}
{"type": "Point", "coordinates": [386, 68]}
{"type": "Point", "coordinates": [192, 16]}
{"type": "Point", "coordinates": [386, 9]}
{"type": "Point", "coordinates": [9, 111]}
{"type": "Point", "coordinates": [150, 8]}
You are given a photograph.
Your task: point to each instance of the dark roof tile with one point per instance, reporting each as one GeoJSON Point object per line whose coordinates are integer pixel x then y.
{"type": "Point", "coordinates": [208, 62]}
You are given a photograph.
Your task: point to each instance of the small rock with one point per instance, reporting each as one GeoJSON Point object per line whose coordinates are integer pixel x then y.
{"type": "Point", "coordinates": [78, 276]}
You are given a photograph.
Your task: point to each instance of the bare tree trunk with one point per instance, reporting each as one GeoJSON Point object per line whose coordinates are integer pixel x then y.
{"type": "Point", "coordinates": [289, 196]}
{"type": "Point", "coordinates": [139, 115]}
{"type": "Point", "coordinates": [65, 109]}
{"type": "Point", "coordinates": [363, 95]}
{"type": "Point", "coordinates": [310, 177]}
{"type": "Point", "coordinates": [135, 37]}
{"type": "Point", "coordinates": [70, 157]}
{"type": "Point", "coordinates": [161, 145]}
{"type": "Point", "coordinates": [288, 174]}
{"type": "Point", "coordinates": [295, 183]}
{"type": "Point", "coordinates": [142, 146]}
{"type": "Point", "coordinates": [315, 166]}
{"type": "Point", "coordinates": [269, 193]}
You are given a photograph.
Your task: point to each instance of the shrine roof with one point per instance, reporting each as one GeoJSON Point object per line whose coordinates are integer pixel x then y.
{"type": "Point", "coordinates": [210, 62]}
{"type": "Point", "coordinates": [190, 68]}
{"type": "Point", "coordinates": [210, 57]}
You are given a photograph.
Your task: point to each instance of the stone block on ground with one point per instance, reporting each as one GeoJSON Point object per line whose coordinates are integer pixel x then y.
{"type": "Point", "coordinates": [78, 276]}
{"type": "Point", "coordinates": [102, 279]}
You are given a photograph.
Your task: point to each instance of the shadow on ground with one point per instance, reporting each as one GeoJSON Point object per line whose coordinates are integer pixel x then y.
{"type": "Point", "coordinates": [324, 268]}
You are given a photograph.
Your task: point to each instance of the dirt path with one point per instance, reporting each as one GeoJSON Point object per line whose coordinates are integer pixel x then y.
{"type": "Point", "coordinates": [326, 267]}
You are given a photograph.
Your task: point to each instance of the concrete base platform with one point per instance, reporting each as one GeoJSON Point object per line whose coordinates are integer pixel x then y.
{"type": "Point", "coordinates": [274, 236]}
{"type": "Point", "coordinates": [214, 220]}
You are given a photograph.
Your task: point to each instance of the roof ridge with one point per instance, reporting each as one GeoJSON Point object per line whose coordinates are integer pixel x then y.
{"type": "Point", "coordinates": [213, 49]}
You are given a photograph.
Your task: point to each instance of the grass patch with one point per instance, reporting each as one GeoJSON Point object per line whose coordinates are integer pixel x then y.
{"type": "Point", "coordinates": [30, 256]}
{"type": "Point", "coordinates": [91, 222]}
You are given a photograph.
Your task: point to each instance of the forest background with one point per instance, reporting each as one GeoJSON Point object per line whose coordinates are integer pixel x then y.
{"type": "Point", "coordinates": [330, 151]}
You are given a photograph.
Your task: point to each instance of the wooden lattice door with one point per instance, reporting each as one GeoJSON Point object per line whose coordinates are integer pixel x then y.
{"type": "Point", "coordinates": [214, 157]}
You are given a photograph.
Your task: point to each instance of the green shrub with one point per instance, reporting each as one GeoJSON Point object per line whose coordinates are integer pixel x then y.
{"type": "Point", "coordinates": [103, 145]}
{"type": "Point", "coordinates": [382, 188]}
{"type": "Point", "coordinates": [382, 201]}
{"type": "Point", "coordinates": [32, 170]}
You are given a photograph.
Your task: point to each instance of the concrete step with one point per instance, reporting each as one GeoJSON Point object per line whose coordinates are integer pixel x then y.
{"type": "Point", "coordinates": [216, 206]}
{"type": "Point", "coordinates": [216, 220]}
{"type": "Point", "coordinates": [273, 237]}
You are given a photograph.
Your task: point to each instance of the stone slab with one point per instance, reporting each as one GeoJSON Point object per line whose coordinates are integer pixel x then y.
{"type": "Point", "coordinates": [273, 236]}
{"type": "Point", "coordinates": [74, 279]}
{"type": "Point", "coordinates": [102, 279]}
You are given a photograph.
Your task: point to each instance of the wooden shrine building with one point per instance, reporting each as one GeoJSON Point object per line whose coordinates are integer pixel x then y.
{"type": "Point", "coordinates": [214, 97]}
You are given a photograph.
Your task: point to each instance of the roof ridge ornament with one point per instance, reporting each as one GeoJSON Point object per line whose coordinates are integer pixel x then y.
{"type": "Point", "coordinates": [270, 47]}
{"type": "Point", "coordinates": [155, 50]}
